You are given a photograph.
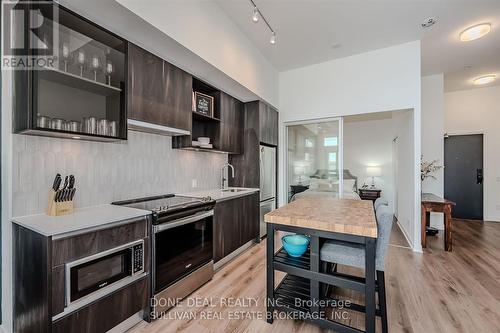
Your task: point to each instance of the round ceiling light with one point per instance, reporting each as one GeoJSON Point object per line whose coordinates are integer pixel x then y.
{"type": "Point", "coordinates": [475, 32]}
{"type": "Point", "coordinates": [484, 79]}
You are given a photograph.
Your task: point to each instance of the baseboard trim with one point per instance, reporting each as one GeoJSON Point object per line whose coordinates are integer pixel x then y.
{"type": "Point", "coordinates": [405, 234]}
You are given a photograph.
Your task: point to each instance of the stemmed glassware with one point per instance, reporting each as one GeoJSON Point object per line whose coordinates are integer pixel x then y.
{"type": "Point", "coordinates": [109, 71]}
{"type": "Point", "coordinates": [65, 55]}
{"type": "Point", "coordinates": [95, 64]}
{"type": "Point", "coordinates": [80, 59]}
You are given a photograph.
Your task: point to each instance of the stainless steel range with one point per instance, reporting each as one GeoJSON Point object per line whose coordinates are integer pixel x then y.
{"type": "Point", "coordinates": [182, 245]}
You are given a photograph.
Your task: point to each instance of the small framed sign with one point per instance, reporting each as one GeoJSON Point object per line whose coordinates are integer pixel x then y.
{"type": "Point", "coordinates": [203, 104]}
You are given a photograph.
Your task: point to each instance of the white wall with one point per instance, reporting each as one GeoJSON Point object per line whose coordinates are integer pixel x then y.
{"type": "Point", "coordinates": [382, 80]}
{"type": "Point", "coordinates": [432, 136]}
{"type": "Point", "coordinates": [406, 209]}
{"type": "Point", "coordinates": [204, 28]}
{"type": "Point", "coordinates": [478, 111]}
{"type": "Point", "coordinates": [368, 142]}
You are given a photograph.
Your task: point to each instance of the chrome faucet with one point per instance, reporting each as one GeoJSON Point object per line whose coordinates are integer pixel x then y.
{"type": "Point", "coordinates": [222, 178]}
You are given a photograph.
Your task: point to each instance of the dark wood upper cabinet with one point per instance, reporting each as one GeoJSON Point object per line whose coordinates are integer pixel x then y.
{"type": "Point", "coordinates": [231, 124]}
{"type": "Point", "coordinates": [260, 126]}
{"type": "Point", "coordinates": [236, 222]}
{"type": "Point", "coordinates": [159, 92]}
{"type": "Point", "coordinates": [268, 124]}
{"type": "Point", "coordinates": [224, 128]}
{"type": "Point", "coordinates": [84, 78]}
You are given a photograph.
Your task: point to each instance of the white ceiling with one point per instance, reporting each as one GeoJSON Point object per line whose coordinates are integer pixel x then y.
{"type": "Point", "coordinates": [308, 32]}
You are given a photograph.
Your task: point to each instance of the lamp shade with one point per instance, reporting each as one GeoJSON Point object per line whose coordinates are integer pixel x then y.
{"type": "Point", "coordinates": [373, 171]}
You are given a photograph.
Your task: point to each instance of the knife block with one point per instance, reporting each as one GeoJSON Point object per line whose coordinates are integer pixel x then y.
{"type": "Point", "coordinates": [59, 208]}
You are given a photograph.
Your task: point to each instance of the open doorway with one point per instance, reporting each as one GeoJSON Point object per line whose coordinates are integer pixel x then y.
{"type": "Point", "coordinates": [464, 174]}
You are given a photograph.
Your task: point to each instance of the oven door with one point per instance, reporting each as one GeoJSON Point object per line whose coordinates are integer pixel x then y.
{"type": "Point", "coordinates": [91, 274]}
{"type": "Point", "coordinates": [181, 246]}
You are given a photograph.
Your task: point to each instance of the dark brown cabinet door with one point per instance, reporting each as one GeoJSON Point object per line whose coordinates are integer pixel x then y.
{"type": "Point", "coordinates": [105, 314]}
{"type": "Point", "coordinates": [159, 92]}
{"type": "Point", "coordinates": [226, 220]}
{"type": "Point", "coordinates": [236, 222]}
{"type": "Point", "coordinates": [249, 228]}
{"type": "Point", "coordinates": [268, 124]}
{"type": "Point", "coordinates": [231, 124]}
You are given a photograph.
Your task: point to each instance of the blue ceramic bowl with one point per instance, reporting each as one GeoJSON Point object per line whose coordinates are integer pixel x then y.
{"type": "Point", "coordinates": [295, 245]}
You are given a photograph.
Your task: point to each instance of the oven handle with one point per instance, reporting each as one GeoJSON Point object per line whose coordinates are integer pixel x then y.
{"type": "Point", "coordinates": [183, 221]}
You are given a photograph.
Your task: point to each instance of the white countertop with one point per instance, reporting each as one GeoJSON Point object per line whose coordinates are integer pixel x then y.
{"type": "Point", "coordinates": [81, 219]}
{"type": "Point", "coordinates": [219, 195]}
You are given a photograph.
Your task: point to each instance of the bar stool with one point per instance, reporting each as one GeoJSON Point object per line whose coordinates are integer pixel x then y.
{"type": "Point", "coordinates": [350, 254]}
{"type": "Point", "coordinates": [379, 202]}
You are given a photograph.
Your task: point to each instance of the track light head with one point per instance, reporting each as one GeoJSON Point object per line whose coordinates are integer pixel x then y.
{"type": "Point", "coordinates": [255, 16]}
{"type": "Point", "coordinates": [272, 40]}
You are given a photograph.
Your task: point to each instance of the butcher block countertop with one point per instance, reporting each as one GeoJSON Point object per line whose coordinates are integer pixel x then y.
{"type": "Point", "coordinates": [347, 216]}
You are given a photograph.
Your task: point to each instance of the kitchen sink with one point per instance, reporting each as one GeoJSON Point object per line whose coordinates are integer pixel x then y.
{"type": "Point", "coordinates": [233, 190]}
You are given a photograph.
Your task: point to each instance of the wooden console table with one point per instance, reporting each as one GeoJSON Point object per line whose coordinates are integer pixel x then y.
{"type": "Point", "coordinates": [433, 203]}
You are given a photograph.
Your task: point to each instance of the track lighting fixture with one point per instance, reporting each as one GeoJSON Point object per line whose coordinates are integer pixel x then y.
{"type": "Point", "coordinates": [257, 14]}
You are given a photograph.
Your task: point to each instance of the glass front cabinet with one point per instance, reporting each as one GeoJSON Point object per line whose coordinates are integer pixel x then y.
{"type": "Point", "coordinates": [81, 92]}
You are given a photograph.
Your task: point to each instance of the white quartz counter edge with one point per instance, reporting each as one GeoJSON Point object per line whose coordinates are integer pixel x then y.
{"type": "Point", "coordinates": [219, 195]}
{"type": "Point", "coordinates": [81, 220]}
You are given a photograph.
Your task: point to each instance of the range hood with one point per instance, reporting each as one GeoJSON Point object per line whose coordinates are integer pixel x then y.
{"type": "Point", "coordinates": [142, 126]}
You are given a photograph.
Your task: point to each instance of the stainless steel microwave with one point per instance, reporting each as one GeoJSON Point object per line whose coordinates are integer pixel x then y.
{"type": "Point", "coordinates": [94, 276]}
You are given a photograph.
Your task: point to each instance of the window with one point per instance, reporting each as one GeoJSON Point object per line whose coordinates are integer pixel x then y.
{"type": "Point", "coordinates": [313, 156]}
{"type": "Point", "coordinates": [331, 141]}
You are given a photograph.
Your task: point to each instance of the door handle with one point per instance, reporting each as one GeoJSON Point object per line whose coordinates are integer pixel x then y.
{"type": "Point", "coordinates": [479, 176]}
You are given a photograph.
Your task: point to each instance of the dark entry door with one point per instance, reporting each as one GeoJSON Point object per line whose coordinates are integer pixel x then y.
{"type": "Point", "coordinates": [463, 175]}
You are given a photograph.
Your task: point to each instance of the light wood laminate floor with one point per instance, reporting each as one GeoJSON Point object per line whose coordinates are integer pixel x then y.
{"type": "Point", "coordinates": [436, 291]}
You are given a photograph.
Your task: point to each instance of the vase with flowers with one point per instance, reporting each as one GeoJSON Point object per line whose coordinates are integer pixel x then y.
{"type": "Point", "coordinates": [428, 168]}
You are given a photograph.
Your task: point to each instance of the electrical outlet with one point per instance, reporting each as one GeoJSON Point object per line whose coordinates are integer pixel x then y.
{"type": "Point", "coordinates": [498, 179]}
{"type": "Point", "coordinates": [498, 207]}
{"type": "Point", "coordinates": [194, 183]}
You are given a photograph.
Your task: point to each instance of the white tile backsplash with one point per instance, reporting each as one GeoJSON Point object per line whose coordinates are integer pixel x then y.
{"type": "Point", "coordinates": [144, 165]}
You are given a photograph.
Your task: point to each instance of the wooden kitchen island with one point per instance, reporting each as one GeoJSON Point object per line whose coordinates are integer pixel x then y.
{"type": "Point", "coordinates": [321, 218]}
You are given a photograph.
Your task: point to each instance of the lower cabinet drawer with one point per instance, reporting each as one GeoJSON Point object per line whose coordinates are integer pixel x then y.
{"type": "Point", "coordinates": [108, 312]}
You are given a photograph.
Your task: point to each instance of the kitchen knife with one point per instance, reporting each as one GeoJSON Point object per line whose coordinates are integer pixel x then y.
{"type": "Point", "coordinates": [71, 181]}
{"type": "Point", "coordinates": [66, 179]}
{"type": "Point", "coordinates": [71, 188]}
{"type": "Point", "coordinates": [57, 182]}
{"type": "Point", "coordinates": [64, 190]}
